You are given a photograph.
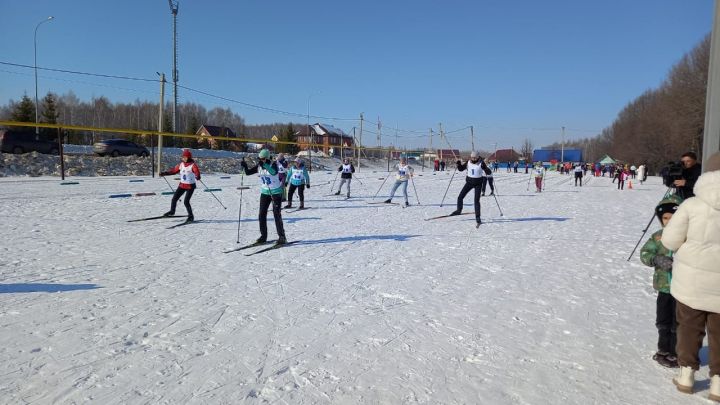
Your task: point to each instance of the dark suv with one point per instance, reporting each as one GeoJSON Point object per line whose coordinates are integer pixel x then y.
{"type": "Point", "coordinates": [118, 147]}
{"type": "Point", "coordinates": [13, 141]}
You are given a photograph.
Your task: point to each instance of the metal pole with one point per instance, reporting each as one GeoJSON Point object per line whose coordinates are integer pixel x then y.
{"type": "Point", "coordinates": [562, 147]}
{"type": "Point", "coordinates": [160, 122]}
{"type": "Point", "coordinates": [37, 106]}
{"type": "Point", "coordinates": [711, 138]}
{"type": "Point", "coordinates": [360, 143]}
{"type": "Point", "coordinates": [309, 133]}
{"type": "Point", "coordinates": [472, 138]}
{"type": "Point", "coordinates": [62, 154]}
{"type": "Point", "coordinates": [152, 156]}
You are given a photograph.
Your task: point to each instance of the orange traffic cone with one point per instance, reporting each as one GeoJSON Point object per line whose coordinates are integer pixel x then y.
{"type": "Point", "coordinates": [630, 185]}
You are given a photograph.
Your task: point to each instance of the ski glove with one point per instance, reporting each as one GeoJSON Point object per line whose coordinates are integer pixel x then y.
{"type": "Point", "coordinates": [164, 174]}
{"type": "Point", "coordinates": [663, 262]}
{"type": "Point", "coordinates": [308, 185]}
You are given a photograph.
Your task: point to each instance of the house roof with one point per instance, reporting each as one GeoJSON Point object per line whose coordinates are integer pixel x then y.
{"type": "Point", "coordinates": [217, 131]}
{"type": "Point", "coordinates": [503, 155]}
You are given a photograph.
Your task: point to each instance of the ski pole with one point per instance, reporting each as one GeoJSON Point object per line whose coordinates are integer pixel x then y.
{"type": "Point", "coordinates": [334, 180]}
{"type": "Point", "coordinates": [358, 179]}
{"type": "Point", "coordinates": [448, 187]}
{"type": "Point", "coordinates": [414, 188]}
{"type": "Point", "coordinates": [381, 186]}
{"type": "Point", "coordinates": [168, 183]}
{"type": "Point", "coordinates": [213, 194]}
{"type": "Point", "coordinates": [498, 204]}
{"type": "Point", "coordinates": [242, 179]}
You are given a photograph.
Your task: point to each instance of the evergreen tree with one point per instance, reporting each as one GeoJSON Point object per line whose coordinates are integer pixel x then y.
{"type": "Point", "coordinates": [287, 135]}
{"type": "Point", "coordinates": [24, 111]}
{"type": "Point", "coordinates": [49, 109]}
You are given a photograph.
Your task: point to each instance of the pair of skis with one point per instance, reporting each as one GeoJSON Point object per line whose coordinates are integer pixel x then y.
{"type": "Point", "coordinates": [163, 217]}
{"type": "Point", "coordinates": [257, 244]}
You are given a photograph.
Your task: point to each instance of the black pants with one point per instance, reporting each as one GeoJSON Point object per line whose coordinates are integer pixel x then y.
{"type": "Point", "coordinates": [485, 182]}
{"type": "Point", "coordinates": [578, 176]}
{"type": "Point", "coordinates": [466, 189]}
{"type": "Point", "coordinates": [301, 192]}
{"type": "Point", "coordinates": [178, 193]}
{"type": "Point", "coordinates": [265, 201]}
{"type": "Point", "coordinates": [666, 323]}
{"type": "Point", "coordinates": [621, 184]}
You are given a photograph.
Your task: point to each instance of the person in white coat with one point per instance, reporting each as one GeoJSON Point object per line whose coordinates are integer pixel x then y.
{"type": "Point", "coordinates": [693, 234]}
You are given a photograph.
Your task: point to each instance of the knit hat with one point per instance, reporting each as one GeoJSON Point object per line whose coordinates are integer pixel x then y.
{"type": "Point", "coordinates": [713, 163]}
{"type": "Point", "coordinates": [186, 153]}
{"type": "Point", "coordinates": [264, 154]}
{"type": "Point", "coordinates": [669, 204]}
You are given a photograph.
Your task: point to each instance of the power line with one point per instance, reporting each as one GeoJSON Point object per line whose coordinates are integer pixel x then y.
{"type": "Point", "coordinates": [81, 82]}
{"type": "Point", "coordinates": [80, 73]}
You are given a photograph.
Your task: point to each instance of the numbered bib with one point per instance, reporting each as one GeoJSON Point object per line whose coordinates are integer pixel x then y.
{"type": "Point", "coordinates": [187, 176]}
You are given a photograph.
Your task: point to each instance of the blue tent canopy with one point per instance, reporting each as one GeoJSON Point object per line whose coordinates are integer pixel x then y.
{"type": "Point", "coordinates": [547, 155]}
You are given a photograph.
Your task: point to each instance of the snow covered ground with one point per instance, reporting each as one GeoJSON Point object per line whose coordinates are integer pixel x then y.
{"type": "Point", "coordinates": [373, 305]}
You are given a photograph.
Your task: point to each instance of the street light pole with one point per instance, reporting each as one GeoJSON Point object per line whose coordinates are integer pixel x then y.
{"type": "Point", "coordinates": [37, 129]}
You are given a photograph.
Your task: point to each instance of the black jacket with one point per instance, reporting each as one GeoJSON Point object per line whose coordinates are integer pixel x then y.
{"type": "Point", "coordinates": [691, 176]}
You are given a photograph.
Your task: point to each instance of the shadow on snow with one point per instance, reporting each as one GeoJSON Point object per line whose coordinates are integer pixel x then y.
{"type": "Point", "coordinates": [49, 288]}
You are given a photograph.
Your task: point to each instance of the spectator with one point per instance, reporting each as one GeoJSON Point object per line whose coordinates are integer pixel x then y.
{"type": "Point", "coordinates": [693, 234]}
{"type": "Point", "coordinates": [691, 173]}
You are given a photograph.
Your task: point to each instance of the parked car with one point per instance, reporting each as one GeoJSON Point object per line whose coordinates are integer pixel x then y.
{"type": "Point", "coordinates": [14, 141]}
{"type": "Point", "coordinates": [119, 147]}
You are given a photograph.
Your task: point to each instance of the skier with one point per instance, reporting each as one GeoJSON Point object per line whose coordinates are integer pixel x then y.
{"type": "Point", "coordinates": [488, 179]}
{"type": "Point", "coordinates": [271, 190]}
{"type": "Point", "coordinates": [347, 169]}
{"type": "Point", "coordinates": [539, 174]}
{"type": "Point", "coordinates": [475, 173]}
{"type": "Point", "coordinates": [404, 172]}
{"type": "Point", "coordinates": [654, 254]}
{"type": "Point", "coordinates": [189, 175]}
{"type": "Point", "coordinates": [282, 165]}
{"type": "Point", "coordinates": [578, 174]}
{"type": "Point", "coordinates": [299, 179]}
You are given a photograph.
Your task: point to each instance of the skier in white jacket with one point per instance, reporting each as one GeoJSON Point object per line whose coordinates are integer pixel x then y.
{"type": "Point", "coordinates": [694, 234]}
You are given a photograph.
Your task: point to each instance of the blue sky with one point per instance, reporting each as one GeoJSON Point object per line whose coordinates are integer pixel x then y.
{"type": "Point", "coordinates": [512, 69]}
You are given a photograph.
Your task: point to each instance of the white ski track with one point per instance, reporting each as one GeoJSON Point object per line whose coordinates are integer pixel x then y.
{"type": "Point", "coordinates": [374, 306]}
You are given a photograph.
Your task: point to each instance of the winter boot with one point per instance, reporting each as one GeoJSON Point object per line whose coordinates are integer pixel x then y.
{"type": "Point", "coordinates": [685, 380]}
{"type": "Point", "coordinates": [281, 241]}
{"type": "Point", "coordinates": [289, 205]}
{"type": "Point", "coordinates": [261, 239]}
{"type": "Point", "coordinates": [715, 388]}
{"type": "Point", "coordinates": [666, 359]}
{"type": "Point", "coordinates": [338, 193]}
{"type": "Point", "coordinates": [302, 205]}
{"type": "Point", "coordinates": [452, 214]}
{"type": "Point", "coordinates": [190, 218]}
{"type": "Point", "coordinates": [169, 214]}
{"type": "Point", "coordinates": [388, 201]}
{"type": "Point", "coordinates": [407, 204]}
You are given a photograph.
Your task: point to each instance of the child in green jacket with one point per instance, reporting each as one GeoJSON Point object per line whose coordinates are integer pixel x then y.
{"type": "Point", "coordinates": [654, 254]}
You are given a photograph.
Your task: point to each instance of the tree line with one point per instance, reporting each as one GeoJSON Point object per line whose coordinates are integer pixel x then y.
{"type": "Point", "coordinates": [662, 123]}
{"type": "Point", "coordinates": [100, 112]}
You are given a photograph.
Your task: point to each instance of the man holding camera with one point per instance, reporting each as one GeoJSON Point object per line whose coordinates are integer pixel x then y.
{"type": "Point", "coordinates": [690, 173]}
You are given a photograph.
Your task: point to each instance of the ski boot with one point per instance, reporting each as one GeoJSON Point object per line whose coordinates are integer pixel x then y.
{"type": "Point", "coordinates": [169, 214]}
{"type": "Point", "coordinates": [302, 205]}
{"type": "Point", "coordinates": [281, 241]}
{"type": "Point", "coordinates": [388, 201]}
{"type": "Point", "coordinates": [456, 212]}
{"type": "Point", "coordinates": [289, 205]}
{"type": "Point", "coordinates": [261, 240]}
{"type": "Point", "coordinates": [190, 218]}
{"type": "Point", "coordinates": [338, 193]}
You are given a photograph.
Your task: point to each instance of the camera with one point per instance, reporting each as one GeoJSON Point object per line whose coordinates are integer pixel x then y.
{"type": "Point", "coordinates": [673, 171]}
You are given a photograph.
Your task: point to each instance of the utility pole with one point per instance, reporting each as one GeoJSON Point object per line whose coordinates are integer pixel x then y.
{"type": "Point", "coordinates": [174, 6]}
{"type": "Point", "coordinates": [379, 134]}
{"type": "Point", "coordinates": [360, 143]}
{"type": "Point", "coordinates": [160, 122]}
{"type": "Point", "coordinates": [472, 138]}
{"type": "Point", "coordinates": [562, 147]}
{"type": "Point", "coordinates": [711, 138]}
{"type": "Point", "coordinates": [430, 152]}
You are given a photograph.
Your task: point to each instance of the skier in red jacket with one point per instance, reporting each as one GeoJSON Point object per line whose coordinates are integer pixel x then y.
{"type": "Point", "coordinates": [189, 175]}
